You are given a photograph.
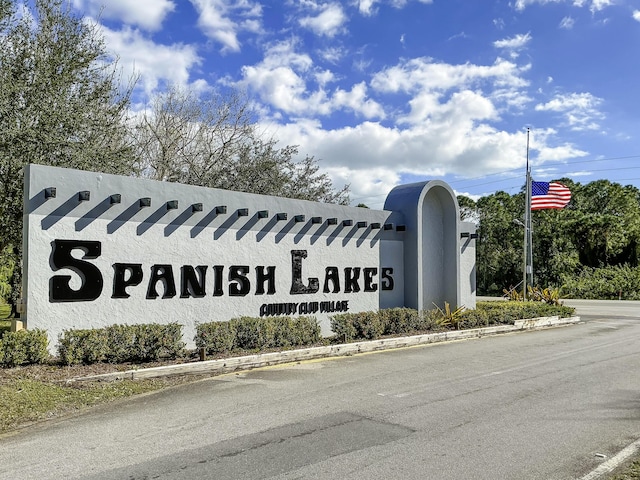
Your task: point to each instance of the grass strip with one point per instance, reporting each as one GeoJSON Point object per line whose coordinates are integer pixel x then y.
{"type": "Point", "coordinates": [27, 400]}
{"type": "Point", "coordinates": [630, 472]}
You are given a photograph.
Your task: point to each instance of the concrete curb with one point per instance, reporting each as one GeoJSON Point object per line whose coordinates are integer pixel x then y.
{"type": "Point", "coordinates": [247, 362]}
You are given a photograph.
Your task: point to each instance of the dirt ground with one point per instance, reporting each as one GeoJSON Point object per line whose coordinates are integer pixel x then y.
{"type": "Point", "coordinates": [61, 374]}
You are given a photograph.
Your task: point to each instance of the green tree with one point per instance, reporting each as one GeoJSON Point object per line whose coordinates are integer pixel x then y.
{"type": "Point", "coordinates": [468, 209]}
{"type": "Point", "coordinates": [554, 254]}
{"type": "Point", "coordinates": [212, 141]}
{"type": "Point", "coordinates": [596, 237]}
{"type": "Point", "coordinates": [499, 250]}
{"type": "Point", "coordinates": [604, 223]}
{"type": "Point", "coordinates": [60, 104]}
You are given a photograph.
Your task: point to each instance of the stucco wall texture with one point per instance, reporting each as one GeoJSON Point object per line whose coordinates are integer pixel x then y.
{"type": "Point", "coordinates": [230, 254]}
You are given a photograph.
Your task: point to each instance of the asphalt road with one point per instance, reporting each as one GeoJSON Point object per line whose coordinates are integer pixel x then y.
{"type": "Point", "coordinates": [549, 404]}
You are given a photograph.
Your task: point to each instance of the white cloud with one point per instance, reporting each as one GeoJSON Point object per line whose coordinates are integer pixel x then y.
{"type": "Point", "coordinates": [559, 153]}
{"type": "Point", "coordinates": [223, 20]}
{"type": "Point", "coordinates": [332, 54]}
{"type": "Point", "coordinates": [282, 80]}
{"type": "Point", "coordinates": [594, 5]}
{"type": "Point", "coordinates": [580, 110]}
{"type": "Point", "coordinates": [522, 4]}
{"type": "Point", "coordinates": [454, 95]}
{"type": "Point", "coordinates": [367, 7]}
{"type": "Point", "coordinates": [324, 77]}
{"type": "Point", "coordinates": [153, 62]}
{"type": "Point", "coordinates": [462, 108]}
{"type": "Point", "coordinates": [146, 14]}
{"type": "Point", "coordinates": [636, 15]}
{"type": "Point", "coordinates": [356, 100]}
{"type": "Point", "coordinates": [514, 44]}
{"type": "Point", "coordinates": [567, 23]}
{"type": "Point", "coordinates": [423, 74]}
{"type": "Point", "coordinates": [378, 155]}
{"type": "Point", "coordinates": [329, 22]}
{"type": "Point", "coordinates": [510, 98]}
{"type": "Point", "coordinates": [597, 5]}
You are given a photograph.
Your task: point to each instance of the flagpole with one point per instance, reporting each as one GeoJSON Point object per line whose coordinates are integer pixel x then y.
{"type": "Point", "coordinates": [528, 254]}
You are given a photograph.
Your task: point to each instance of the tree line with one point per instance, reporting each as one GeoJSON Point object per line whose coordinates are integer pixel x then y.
{"type": "Point", "coordinates": [62, 103]}
{"type": "Point", "coordinates": [589, 249]}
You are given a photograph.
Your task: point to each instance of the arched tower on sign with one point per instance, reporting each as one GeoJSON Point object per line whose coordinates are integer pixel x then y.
{"type": "Point", "coordinates": [431, 246]}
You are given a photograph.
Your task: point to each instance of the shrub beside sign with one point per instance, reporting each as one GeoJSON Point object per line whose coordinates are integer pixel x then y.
{"type": "Point", "coordinates": [103, 249]}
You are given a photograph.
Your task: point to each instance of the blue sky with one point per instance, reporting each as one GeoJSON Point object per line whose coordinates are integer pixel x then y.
{"type": "Point", "coordinates": [384, 92]}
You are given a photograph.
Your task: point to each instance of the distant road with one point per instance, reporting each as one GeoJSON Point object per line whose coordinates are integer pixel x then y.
{"type": "Point", "coordinates": [548, 404]}
{"type": "Point", "coordinates": [624, 308]}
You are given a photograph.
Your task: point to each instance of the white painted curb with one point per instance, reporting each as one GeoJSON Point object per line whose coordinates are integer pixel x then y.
{"type": "Point", "coordinates": [265, 359]}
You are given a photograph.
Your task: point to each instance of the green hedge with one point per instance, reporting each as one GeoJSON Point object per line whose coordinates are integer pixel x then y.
{"type": "Point", "coordinates": [499, 312]}
{"type": "Point", "coordinates": [606, 283]}
{"type": "Point", "coordinates": [23, 347]}
{"type": "Point", "coordinates": [371, 325]}
{"type": "Point", "coordinates": [152, 342]}
{"type": "Point", "coordinates": [121, 344]}
{"type": "Point", "coordinates": [401, 321]}
{"type": "Point", "coordinates": [250, 333]}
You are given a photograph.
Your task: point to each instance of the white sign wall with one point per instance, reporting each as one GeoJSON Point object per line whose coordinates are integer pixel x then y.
{"type": "Point", "coordinates": [103, 249]}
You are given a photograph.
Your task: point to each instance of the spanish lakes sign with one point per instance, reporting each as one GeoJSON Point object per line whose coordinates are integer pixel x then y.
{"type": "Point", "coordinates": [103, 249]}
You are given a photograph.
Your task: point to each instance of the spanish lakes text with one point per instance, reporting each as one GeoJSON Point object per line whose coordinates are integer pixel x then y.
{"type": "Point", "coordinates": [193, 281]}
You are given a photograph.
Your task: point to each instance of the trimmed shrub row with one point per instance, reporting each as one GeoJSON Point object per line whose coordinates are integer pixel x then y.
{"type": "Point", "coordinates": [396, 321]}
{"type": "Point", "coordinates": [372, 325]}
{"type": "Point", "coordinates": [508, 312]}
{"type": "Point", "coordinates": [152, 342]}
{"type": "Point", "coordinates": [23, 347]}
{"type": "Point", "coordinates": [249, 333]}
{"type": "Point", "coordinates": [121, 344]}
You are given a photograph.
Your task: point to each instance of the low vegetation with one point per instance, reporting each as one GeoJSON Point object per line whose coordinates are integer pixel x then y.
{"type": "Point", "coordinates": [253, 334]}
{"type": "Point", "coordinates": [118, 344]}
{"type": "Point", "coordinates": [121, 344]}
{"type": "Point", "coordinates": [24, 347]}
{"type": "Point", "coordinates": [405, 321]}
{"type": "Point", "coordinates": [30, 395]}
{"type": "Point", "coordinates": [37, 386]}
{"type": "Point", "coordinates": [604, 283]}
{"type": "Point", "coordinates": [628, 472]}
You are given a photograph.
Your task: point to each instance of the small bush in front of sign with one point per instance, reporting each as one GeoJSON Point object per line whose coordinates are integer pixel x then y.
{"type": "Point", "coordinates": [304, 331]}
{"type": "Point", "coordinates": [23, 347]}
{"type": "Point", "coordinates": [507, 312]}
{"type": "Point", "coordinates": [251, 333]}
{"type": "Point", "coordinates": [400, 320]}
{"type": "Point", "coordinates": [476, 319]}
{"type": "Point", "coordinates": [215, 337]}
{"type": "Point", "coordinates": [120, 344]}
{"type": "Point", "coordinates": [368, 325]}
{"type": "Point", "coordinates": [371, 325]}
{"type": "Point", "coordinates": [342, 325]}
{"type": "Point", "coordinates": [143, 343]}
{"type": "Point", "coordinates": [350, 327]}
{"type": "Point", "coordinates": [82, 346]}
{"type": "Point", "coordinates": [448, 317]}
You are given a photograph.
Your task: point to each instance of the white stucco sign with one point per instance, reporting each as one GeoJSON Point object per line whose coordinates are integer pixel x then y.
{"type": "Point", "coordinates": [103, 249]}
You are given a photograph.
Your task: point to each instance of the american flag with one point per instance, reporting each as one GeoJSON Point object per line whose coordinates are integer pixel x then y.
{"type": "Point", "coordinates": [549, 195]}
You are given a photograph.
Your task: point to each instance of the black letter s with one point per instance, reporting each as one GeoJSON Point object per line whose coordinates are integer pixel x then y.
{"type": "Point", "coordinates": [91, 288]}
